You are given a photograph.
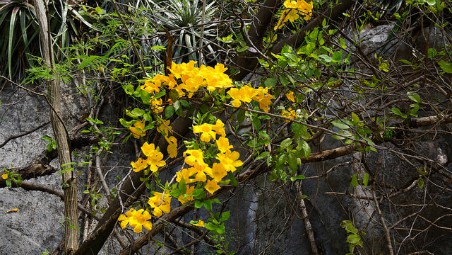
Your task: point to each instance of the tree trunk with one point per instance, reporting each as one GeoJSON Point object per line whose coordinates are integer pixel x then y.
{"type": "Point", "coordinates": [71, 229]}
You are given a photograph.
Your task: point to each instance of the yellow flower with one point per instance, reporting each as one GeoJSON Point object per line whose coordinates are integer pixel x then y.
{"type": "Point", "coordinates": [219, 128]}
{"type": "Point", "coordinates": [199, 223]}
{"type": "Point", "coordinates": [264, 98]}
{"type": "Point", "coordinates": [215, 78]}
{"type": "Point", "coordinates": [138, 129]}
{"type": "Point", "coordinates": [139, 165]}
{"type": "Point", "coordinates": [188, 196]}
{"type": "Point", "coordinates": [218, 172]}
{"type": "Point", "coordinates": [290, 96]}
{"type": "Point", "coordinates": [153, 85]}
{"type": "Point", "coordinates": [185, 175]}
{"type": "Point", "coordinates": [230, 160]}
{"type": "Point", "coordinates": [200, 176]}
{"type": "Point", "coordinates": [223, 144]}
{"type": "Point", "coordinates": [154, 157]}
{"type": "Point", "coordinates": [195, 156]}
{"type": "Point", "coordinates": [292, 11]}
{"type": "Point", "coordinates": [206, 131]}
{"type": "Point", "coordinates": [172, 146]}
{"type": "Point", "coordinates": [178, 70]}
{"type": "Point", "coordinates": [5, 176]}
{"type": "Point", "coordinates": [136, 219]}
{"type": "Point", "coordinates": [212, 186]}
{"type": "Point", "coordinates": [161, 203]}
{"type": "Point", "coordinates": [244, 94]}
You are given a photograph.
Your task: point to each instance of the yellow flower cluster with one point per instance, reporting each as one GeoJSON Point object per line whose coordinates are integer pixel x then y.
{"type": "Point", "coordinates": [293, 10]}
{"type": "Point", "coordinates": [199, 171]}
{"type": "Point", "coordinates": [247, 93]}
{"type": "Point", "coordinates": [154, 159]}
{"type": "Point", "coordinates": [186, 78]}
{"type": "Point", "coordinates": [136, 219]}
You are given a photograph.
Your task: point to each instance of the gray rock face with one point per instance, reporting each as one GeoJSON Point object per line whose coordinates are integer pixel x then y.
{"type": "Point", "coordinates": [37, 226]}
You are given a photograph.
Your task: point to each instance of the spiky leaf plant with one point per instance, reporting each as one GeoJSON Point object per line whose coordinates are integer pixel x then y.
{"type": "Point", "coordinates": [187, 23]}
{"type": "Point", "coordinates": [19, 38]}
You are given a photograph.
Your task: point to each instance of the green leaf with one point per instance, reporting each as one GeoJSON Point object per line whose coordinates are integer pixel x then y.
{"type": "Point", "coordinates": [431, 2]}
{"type": "Point", "coordinates": [303, 149]}
{"type": "Point", "coordinates": [340, 124]}
{"type": "Point", "coordinates": [198, 204]}
{"type": "Point", "coordinates": [292, 160]}
{"type": "Point", "coordinates": [399, 113]}
{"type": "Point", "coordinates": [354, 181]}
{"type": "Point", "coordinates": [129, 89]}
{"type": "Point", "coordinates": [326, 58]}
{"type": "Point", "coordinates": [286, 143]}
{"type": "Point", "coordinates": [208, 205]}
{"type": "Point", "coordinates": [270, 82]}
{"type": "Point", "coordinates": [420, 183]}
{"type": "Point", "coordinates": [366, 179]}
{"type": "Point", "coordinates": [225, 216]}
{"type": "Point", "coordinates": [99, 10]}
{"type": "Point", "coordinates": [384, 67]}
{"type": "Point", "coordinates": [446, 66]}
{"type": "Point", "coordinates": [354, 239]}
{"type": "Point", "coordinates": [158, 48]}
{"type": "Point", "coordinates": [431, 52]}
{"type": "Point", "coordinates": [414, 97]}
{"type": "Point", "coordinates": [136, 112]}
{"type": "Point", "coordinates": [169, 111]}
{"type": "Point", "coordinates": [160, 94]}
{"type": "Point", "coordinates": [298, 177]}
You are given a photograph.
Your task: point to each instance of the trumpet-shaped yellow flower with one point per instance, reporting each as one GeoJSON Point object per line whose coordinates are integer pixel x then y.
{"type": "Point", "coordinates": [264, 98]}
{"type": "Point", "coordinates": [230, 160]}
{"type": "Point", "coordinates": [136, 219]}
{"type": "Point", "coordinates": [178, 70]}
{"type": "Point", "coordinates": [154, 157]}
{"type": "Point", "coordinates": [137, 129]}
{"type": "Point", "coordinates": [218, 172]}
{"type": "Point", "coordinates": [223, 144]}
{"type": "Point", "coordinates": [153, 85]}
{"type": "Point", "coordinates": [207, 134]}
{"type": "Point", "coordinates": [161, 203]}
{"type": "Point", "coordinates": [219, 128]}
{"type": "Point", "coordinates": [139, 165]}
{"type": "Point", "coordinates": [245, 94]}
{"type": "Point", "coordinates": [212, 186]}
{"type": "Point", "coordinates": [195, 156]}
{"type": "Point", "coordinates": [172, 146]}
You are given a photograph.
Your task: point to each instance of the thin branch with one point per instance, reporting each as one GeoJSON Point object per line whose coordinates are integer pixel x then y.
{"type": "Point", "coordinates": [23, 134]}
{"type": "Point", "coordinates": [307, 222]}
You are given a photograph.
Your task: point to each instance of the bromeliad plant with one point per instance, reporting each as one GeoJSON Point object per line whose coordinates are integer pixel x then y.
{"type": "Point", "coordinates": [187, 23]}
